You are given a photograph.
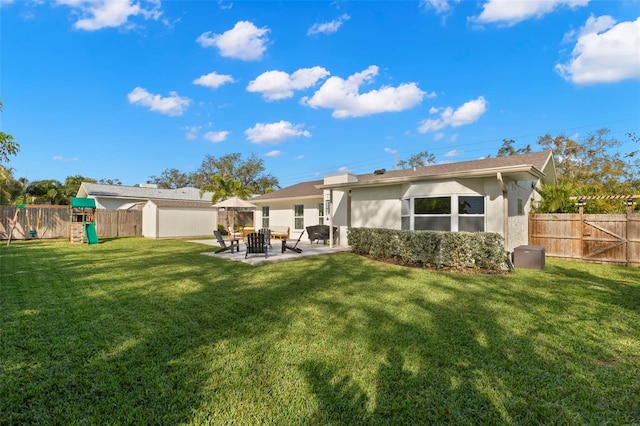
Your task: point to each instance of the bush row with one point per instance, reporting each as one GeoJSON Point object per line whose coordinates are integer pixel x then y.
{"type": "Point", "coordinates": [483, 250]}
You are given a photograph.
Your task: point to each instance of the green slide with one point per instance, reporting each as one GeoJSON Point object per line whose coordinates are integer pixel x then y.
{"type": "Point", "coordinates": [90, 233]}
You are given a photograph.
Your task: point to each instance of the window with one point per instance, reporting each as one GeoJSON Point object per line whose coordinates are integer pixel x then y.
{"type": "Point", "coordinates": [470, 213]}
{"type": "Point", "coordinates": [298, 216]}
{"type": "Point", "coordinates": [520, 206]}
{"type": "Point", "coordinates": [433, 213]}
{"type": "Point", "coordinates": [265, 216]}
{"type": "Point", "coordinates": [454, 213]}
{"type": "Point", "coordinates": [320, 213]}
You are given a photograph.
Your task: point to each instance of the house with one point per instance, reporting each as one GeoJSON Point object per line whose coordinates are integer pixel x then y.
{"type": "Point", "coordinates": [166, 213]}
{"type": "Point", "coordinates": [487, 195]}
{"type": "Point", "coordinates": [121, 197]}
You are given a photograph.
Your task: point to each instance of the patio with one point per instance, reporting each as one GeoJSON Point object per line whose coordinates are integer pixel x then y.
{"type": "Point", "coordinates": [275, 251]}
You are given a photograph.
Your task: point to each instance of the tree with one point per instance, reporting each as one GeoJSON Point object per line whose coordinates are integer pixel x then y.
{"type": "Point", "coordinates": [6, 178]}
{"type": "Point", "coordinates": [8, 146]}
{"type": "Point", "coordinates": [507, 149]}
{"type": "Point", "coordinates": [249, 173]}
{"type": "Point", "coordinates": [590, 167]}
{"type": "Point", "coordinates": [109, 182]}
{"type": "Point", "coordinates": [225, 188]}
{"type": "Point", "coordinates": [46, 191]}
{"type": "Point", "coordinates": [417, 160]}
{"type": "Point", "coordinates": [172, 179]}
{"type": "Point", "coordinates": [72, 185]}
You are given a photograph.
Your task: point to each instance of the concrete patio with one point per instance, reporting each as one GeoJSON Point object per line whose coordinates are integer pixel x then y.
{"type": "Point", "coordinates": [275, 251]}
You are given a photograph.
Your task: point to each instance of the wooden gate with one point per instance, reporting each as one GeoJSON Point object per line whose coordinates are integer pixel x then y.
{"type": "Point", "coordinates": [605, 238]}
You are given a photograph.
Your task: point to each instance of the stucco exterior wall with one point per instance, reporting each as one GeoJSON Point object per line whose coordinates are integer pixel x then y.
{"type": "Point", "coordinates": [176, 222]}
{"type": "Point", "coordinates": [149, 220]}
{"type": "Point", "coordinates": [376, 207]}
{"type": "Point", "coordinates": [281, 213]}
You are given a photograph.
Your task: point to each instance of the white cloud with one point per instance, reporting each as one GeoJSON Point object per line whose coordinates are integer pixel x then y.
{"type": "Point", "coordinates": [441, 6]}
{"type": "Point", "coordinates": [605, 52]}
{"type": "Point", "coordinates": [244, 41]}
{"type": "Point", "coordinates": [192, 132]}
{"type": "Point", "coordinates": [213, 80]}
{"type": "Point", "coordinates": [344, 98]}
{"type": "Point", "coordinates": [274, 153]}
{"type": "Point", "coordinates": [275, 132]}
{"type": "Point", "coordinates": [328, 27]}
{"type": "Point", "coordinates": [172, 105]}
{"type": "Point", "coordinates": [216, 137]}
{"type": "Point", "coordinates": [65, 159]}
{"type": "Point", "coordinates": [343, 169]}
{"type": "Point", "coordinates": [453, 153]}
{"type": "Point", "coordinates": [511, 12]}
{"type": "Point", "coordinates": [468, 113]}
{"type": "Point", "coordinates": [299, 157]}
{"type": "Point", "coordinates": [98, 14]}
{"type": "Point", "coordinates": [390, 151]}
{"type": "Point", "coordinates": [276, 85]}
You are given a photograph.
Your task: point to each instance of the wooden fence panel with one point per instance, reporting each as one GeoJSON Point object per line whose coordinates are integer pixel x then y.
{"type": "Point", "coordinates": [53, 222]}
{"type": "Point", "coordinates": [606, 238]}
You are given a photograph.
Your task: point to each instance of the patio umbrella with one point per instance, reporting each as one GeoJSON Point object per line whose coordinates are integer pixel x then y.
{"type": "Point", "coordinates": [234, 204]}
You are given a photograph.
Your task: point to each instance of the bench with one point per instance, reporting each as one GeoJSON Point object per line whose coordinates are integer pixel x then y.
{"type": "Point", "coordinates": [279, 232]}
{"type": "Point", "coordinates": [320, 232]}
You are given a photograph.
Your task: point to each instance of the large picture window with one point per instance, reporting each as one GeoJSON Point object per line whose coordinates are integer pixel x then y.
{"type": "Point", "coordinates": [298, 216]}
{"type": "Point", "coordinates": [450, 213]}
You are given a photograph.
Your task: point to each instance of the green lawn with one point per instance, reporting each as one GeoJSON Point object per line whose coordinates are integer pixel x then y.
{"type": "Point", "coordinates": [136, 331]}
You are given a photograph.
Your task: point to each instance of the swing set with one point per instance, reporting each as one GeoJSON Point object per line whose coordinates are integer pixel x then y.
{"type": "Point", "coordinates": [42, 220]}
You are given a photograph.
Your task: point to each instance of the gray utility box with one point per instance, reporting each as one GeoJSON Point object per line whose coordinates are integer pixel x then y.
{"type": "Point", "coordinates": [529, 257]}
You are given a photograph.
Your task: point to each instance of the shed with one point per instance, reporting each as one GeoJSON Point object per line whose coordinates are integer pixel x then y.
{"type": "Point", "coordinates": [178, 219]}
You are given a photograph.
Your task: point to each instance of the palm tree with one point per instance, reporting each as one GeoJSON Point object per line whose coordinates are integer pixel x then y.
{"type": "Point", "coordinates": [225, 188]}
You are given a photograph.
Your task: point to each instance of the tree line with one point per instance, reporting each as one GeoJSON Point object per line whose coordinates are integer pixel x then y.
{"type": "Point", "coordinates": [594, 165]}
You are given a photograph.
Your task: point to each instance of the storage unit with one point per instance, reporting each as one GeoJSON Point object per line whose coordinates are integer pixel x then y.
{"type": "Point", "coordinates": [529, 257]}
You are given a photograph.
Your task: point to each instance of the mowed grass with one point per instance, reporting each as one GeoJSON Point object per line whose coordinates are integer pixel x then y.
{"type": "Point", "coordinates": [136, 331]}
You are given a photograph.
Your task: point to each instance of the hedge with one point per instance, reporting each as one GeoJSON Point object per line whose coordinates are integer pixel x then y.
{"type": "Point", "coordinates": [457, 250]}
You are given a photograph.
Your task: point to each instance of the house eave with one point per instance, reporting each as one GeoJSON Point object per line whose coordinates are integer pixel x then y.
{"type": "Point", "coordinates": [515, 172]}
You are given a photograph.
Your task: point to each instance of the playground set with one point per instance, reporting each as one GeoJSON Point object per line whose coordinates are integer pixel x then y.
{"type": "Point", "coordinates": [30, 221]}
{"type": "Point", "coordinates": [83, 226]}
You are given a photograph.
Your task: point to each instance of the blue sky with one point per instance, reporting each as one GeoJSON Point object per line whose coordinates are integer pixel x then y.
{"type": "Point", "coordinates": [124, 89]}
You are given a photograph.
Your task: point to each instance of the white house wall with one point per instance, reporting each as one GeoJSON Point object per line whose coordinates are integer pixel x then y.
{"type": "Point", "coordinates": [183, 222]}
{"type": "Point", "coordinates": [149, 220]}
{"type": "Point", "coordinates": [281, 214]}
{"type": "Point", "coordinates": [377, 207]}
{"type": "Point", "coordinates": [519, 221]}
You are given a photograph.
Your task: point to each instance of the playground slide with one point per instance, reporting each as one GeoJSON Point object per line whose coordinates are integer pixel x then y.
{"type": "Point", "coordinates": [90, 233]}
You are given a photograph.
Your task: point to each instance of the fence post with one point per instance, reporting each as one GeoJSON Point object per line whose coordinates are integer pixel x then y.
{"type": "Point", "coordinates": [581, 227]}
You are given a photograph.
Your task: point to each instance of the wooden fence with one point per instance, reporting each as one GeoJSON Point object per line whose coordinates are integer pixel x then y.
{"type": "Point", "coordinates": [45, 221]}
{"type": "Point", "coordinates": [605, 238]}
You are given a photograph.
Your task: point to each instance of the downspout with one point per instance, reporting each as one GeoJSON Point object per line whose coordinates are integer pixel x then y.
{"type": "Point", "coordinates": [505, 210]}
{"type": "Point", "coordinates": [330, 210]}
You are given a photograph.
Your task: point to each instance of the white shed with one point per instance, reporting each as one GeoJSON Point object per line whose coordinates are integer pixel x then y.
{"type": "Point", "coordinates": [178, 219]}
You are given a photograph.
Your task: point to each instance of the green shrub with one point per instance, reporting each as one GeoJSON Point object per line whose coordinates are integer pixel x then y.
{"type": "Point", "coordinates": [483, 250]}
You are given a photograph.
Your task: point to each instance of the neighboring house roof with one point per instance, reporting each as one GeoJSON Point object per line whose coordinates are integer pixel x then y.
{"type": "Point", "coordinates": [183, 204]}
{"type": "Point", "coordinates": [538, 165]}
{"type": "Point", "coordinates": [140, 192]}
{"type": "Point", "coordinates": [531, 166]}
{"type": "Point", "coordinates": [300, 190]}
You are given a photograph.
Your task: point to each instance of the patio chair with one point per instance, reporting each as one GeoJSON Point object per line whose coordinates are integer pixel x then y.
{"type": "Point", "coordinates": [295, 248]}
{"type": "Point", "coordinates": [256, 244]}
{"type": "Point", "coordinates": [233, 244]}
{"type": "Point", "coordinates": [267, 235]}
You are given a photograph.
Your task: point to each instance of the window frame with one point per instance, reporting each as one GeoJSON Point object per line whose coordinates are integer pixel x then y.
{"type": "Point", "coordinates": [408, 215]}
{"type": "Point", "coordinates": [265, 218]}
{"type": "Point", "coordinates": [298, 218]}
